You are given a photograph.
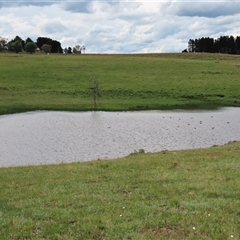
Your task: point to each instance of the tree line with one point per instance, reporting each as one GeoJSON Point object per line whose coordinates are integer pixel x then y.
{"type": "Point", "coordinates": [223, 44]}
{"type": "Point", "coordinates": [43, 44]}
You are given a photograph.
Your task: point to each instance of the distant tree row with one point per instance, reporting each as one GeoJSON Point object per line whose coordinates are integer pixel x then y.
{"type": "Point", "coordinates": [43, 44]}
{"type": "Point", "coordinates": [18, 45]}
{"type": "Point", "coordinates": [76, 50]}
{"type": "Point", "coordinates": [223, 44]}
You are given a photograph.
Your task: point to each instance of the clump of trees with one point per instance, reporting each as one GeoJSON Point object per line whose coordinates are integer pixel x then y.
{"type": "Point", "coordinates": [68, 50]}
{"type": "Point", "coordinates": [75, 50]}
{"type": "Point", "coordinates": [223, 44]}
{"type": "Point", "coordinates": [48, 45]}
{"type": "Point", "coordinates": [18, 45]}
{"type": "Point", "coordinates": [43, 44]}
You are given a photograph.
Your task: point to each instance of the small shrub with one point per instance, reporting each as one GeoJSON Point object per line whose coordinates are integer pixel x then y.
{"type": "Point", "coordinates": [140, 151]}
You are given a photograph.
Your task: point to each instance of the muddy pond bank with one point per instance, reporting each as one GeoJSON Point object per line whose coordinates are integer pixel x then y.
{"type": "Point", "coordinates": [50, 137]}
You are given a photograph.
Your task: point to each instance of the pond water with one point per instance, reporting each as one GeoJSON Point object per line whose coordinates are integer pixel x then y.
{"type": "Point", "coordinates": [47, 137]}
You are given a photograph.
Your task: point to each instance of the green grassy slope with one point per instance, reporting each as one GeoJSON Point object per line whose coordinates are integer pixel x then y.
{"type": "Point", "coordinates": [190, 194]}
{"type": "Point", "coordinates": [127, 82]}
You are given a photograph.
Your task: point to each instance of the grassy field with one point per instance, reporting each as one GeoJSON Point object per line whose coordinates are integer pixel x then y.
{"type": "Point", "coordinates": [127, 82]}
{"type": "Point", "coordinates": [190, 194]}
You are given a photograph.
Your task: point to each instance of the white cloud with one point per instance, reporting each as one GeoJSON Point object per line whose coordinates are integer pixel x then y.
{"type": "Point", "coordinates": [120, 27]}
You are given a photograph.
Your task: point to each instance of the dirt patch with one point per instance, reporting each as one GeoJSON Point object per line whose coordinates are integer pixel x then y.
{"type": "Point", "coordinates": [165, 231]}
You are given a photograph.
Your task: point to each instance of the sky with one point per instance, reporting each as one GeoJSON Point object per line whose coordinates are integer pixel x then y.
{"type": "Point", "coordinates": [128, 26]}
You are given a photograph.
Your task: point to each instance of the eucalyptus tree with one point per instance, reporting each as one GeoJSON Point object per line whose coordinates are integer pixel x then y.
{"type": "Point", "coordinates": [3, 43]}
{"type": "Point", "coordinates": [46, 48]}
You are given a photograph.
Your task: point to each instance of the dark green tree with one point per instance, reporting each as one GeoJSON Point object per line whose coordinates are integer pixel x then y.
{"type": "Point", "coordinates": [30, 47]}
{"type": "Point", "coordinates": [43, 40]}
{"type": "Point", "coordinates": [16, 46]}
{"type": "Point", "coordinates": [69, 50]}
{"type": "Point", "coordinates": [19, 39]}
{"type": "Point", "coordinates": [222, 44]}
{"type": "Point", "coordinates": [237, 42]}
{"type": "Point", "coordinates": [27, 41]}
{"type": "Point", "coordinates": [56, 47]}
{"type": "Point", "coordinates": [231, 45]}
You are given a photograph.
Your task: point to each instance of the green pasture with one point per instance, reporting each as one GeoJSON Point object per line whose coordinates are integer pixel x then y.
{"type": "Point", "coordinates": [127, 82]}
{"type": "Point", "coordinates": [190, 194]}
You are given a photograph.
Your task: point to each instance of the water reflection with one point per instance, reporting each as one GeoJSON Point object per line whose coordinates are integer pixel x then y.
{"type": "Point", "coordinates": [54, 137]}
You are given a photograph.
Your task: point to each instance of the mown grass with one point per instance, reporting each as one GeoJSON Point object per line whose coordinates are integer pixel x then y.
{"type": "Point", "coordinates": [127, 82]}
{"type": "Point", "coordinates": [190, 194]}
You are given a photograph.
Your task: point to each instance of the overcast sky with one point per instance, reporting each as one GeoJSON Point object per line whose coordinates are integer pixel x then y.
{"type": "Point", "coordinates": [120, 26]}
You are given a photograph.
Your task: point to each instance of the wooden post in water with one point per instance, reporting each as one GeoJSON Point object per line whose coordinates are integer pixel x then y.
{"type": "Point", "coordinates": [96, 92]}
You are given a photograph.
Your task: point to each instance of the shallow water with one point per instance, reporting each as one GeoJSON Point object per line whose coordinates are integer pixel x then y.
{"type": "Point", "coordinates": [48, 137]}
